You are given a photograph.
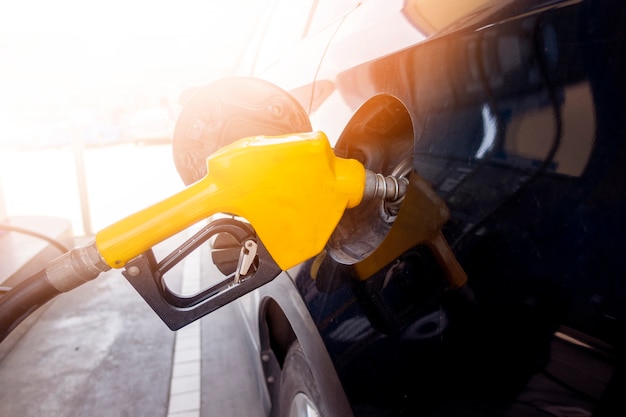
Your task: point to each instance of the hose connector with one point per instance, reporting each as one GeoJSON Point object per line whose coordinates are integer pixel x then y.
{"type": "Point", "coordinates": [75, 267]}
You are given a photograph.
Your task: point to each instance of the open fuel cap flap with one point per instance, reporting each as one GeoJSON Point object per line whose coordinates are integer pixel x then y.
{"type": "Point", "coordinates": [227, 110]}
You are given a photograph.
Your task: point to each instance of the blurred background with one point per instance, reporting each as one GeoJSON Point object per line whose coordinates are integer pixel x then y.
{"type": "Point", "coordinates": [89, 96]}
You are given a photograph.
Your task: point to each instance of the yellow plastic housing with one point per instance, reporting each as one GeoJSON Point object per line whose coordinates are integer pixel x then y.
{"type": "Point", "coordinates": [292, 189]}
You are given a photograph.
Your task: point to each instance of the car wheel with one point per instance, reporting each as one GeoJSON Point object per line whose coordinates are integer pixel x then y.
{"type": "Point", "coordinates": [299, 396]}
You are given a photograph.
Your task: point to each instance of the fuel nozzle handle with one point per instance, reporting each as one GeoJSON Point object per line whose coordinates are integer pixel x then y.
{"type": "Point", "coordinates": [292, 189]}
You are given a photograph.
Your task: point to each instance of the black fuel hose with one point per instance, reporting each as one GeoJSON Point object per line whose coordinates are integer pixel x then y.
{"type": "Point", "coordinates": [63, 274]}
{"type": "Point", "coordinates": [23, 299]}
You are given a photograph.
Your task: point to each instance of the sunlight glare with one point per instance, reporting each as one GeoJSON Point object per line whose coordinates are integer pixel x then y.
{"type": "Point", "coordinates": [73, 64]}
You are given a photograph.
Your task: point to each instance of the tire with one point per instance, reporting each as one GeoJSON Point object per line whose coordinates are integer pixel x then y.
{"type": "Point", "coordinates": [299, 396]}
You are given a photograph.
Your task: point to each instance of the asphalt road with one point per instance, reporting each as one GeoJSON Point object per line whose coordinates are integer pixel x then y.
{"type": "Point", "coordinates": [98, 350]}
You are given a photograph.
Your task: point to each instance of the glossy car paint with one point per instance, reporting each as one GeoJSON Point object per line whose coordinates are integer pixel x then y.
{"type": "Point", "coordinates": [515, 115]}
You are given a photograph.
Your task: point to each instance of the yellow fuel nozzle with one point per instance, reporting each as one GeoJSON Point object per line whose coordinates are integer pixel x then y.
{"type": "Point", "coordinates": [292, 189]}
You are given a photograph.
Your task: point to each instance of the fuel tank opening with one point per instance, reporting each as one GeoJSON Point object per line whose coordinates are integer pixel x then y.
{"type": "Point", "coordinates": [380, 136]}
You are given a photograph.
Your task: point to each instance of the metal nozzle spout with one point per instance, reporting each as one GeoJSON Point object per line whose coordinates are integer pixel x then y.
{"type": "Point", "coordinates": [387, 188]}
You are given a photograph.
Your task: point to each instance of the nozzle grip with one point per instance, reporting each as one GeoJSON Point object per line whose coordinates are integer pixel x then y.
{"type": "Point", "coordinates": [292, 189]}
